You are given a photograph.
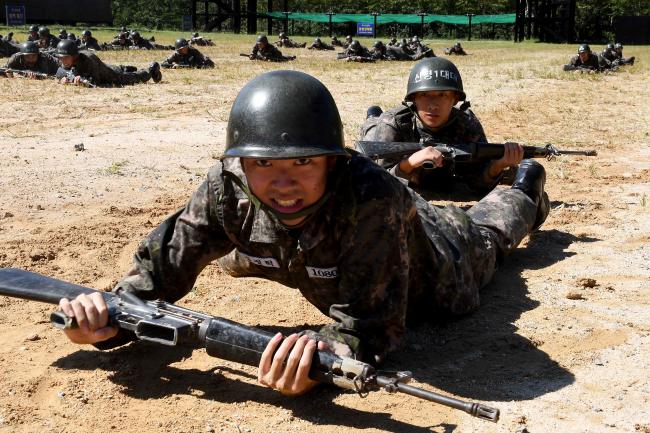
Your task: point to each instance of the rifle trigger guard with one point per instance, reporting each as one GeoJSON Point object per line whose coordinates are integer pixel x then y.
{"type": "Point", "coordinates": [552, 152]}
{"type": "Point", "coordinates": [360, 387]}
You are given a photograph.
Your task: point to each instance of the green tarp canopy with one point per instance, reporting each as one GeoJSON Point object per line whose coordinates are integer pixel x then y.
{"type": "Point", "coordinates": [393, 18]}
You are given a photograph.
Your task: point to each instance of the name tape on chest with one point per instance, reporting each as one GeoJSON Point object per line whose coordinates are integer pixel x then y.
{"type": "Point", "coordinates": [268, 262]}
{"type": "Point", "coordinates": [322, 272]}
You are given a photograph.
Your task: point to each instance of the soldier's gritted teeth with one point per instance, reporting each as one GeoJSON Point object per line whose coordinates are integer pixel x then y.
{"type": "Point", "coordinates": [434, 107]}
{"type": "Point", "coordinates": [287, 185]}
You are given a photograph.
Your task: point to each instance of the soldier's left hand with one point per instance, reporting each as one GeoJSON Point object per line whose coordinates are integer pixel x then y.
{"type": "Point", "coordinates": [285, 364]}
{"type": "Point", "coordinates": [513, 153]}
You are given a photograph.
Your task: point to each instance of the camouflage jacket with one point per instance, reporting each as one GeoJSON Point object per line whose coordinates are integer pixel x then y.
{"type": "Point", "coordinates": [374, 253]}
{"type": "Point", "coordinates": [46, 63]}
{"type": "Point", "coordinates": [400, 124]}
{"type": "Point", "coordinates": [142, 44]}
{"type": "Point", "coordinates": [90, 44]}
{"type": "Point", "coordinates": [321, 46]}
{"type": "Point", "coordinates": [269, 52]}
{"type": "Point", "coordinates": [90, 67]}
{"type": "Point", "coordinates": [595, 63]}
{"type": "Point", "coordinates": [193, 59]}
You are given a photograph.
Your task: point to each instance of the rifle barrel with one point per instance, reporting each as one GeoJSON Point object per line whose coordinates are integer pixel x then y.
{"type": "Point", "coordinates": [475, 409]}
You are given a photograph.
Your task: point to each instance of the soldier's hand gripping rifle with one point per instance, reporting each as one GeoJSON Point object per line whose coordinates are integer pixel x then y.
{"type": "Point", "coordinates": [167, 324]}
{"type": "Point", "coordinates": [459, 153]}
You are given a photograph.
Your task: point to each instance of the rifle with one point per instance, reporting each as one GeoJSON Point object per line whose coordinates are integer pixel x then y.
{"type": "Point", "coordinates": [170, 325]}
{"type": "Point", "coordinates": [24, 73]}
{"type": "Point", "coordinates": [71, 75]}
{"type": "Point", "coordinates": [459, 153]}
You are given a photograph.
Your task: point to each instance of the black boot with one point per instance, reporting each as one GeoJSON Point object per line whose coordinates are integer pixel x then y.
{"type": "Point", "coordinates": [530, 179]}
{"type": "Point", "coordinates": [154, 70]}
{"type": "Point", "coordinates": [374, 111]}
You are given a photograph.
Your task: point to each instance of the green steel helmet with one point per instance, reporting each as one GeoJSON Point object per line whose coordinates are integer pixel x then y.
{"type": "Point", "coordinates": [63, 32]}
{"type": "Point", "coordinates": [181, 43]}
{"type": "Point", "coordinates": [415, 39]}
{"type": "Point", "coordinates": [317, 41]}
{"type": "Point", "coordinates": [618, 46]}
{"type": "Point", "coordinates": [584, 48]}
{"type": "Point", "coordinates": [457, 45]}
{"type": "Point", "coordinates": [281, 115]}
{"type": "Point", "coordinates": [355, 45]}
{"type": "Point", "coordinates": [609, 46]}
{"type": "Point", "coordinates": [378, 44]}
{"type": "Point", "coordinates": [87, 33]}
{"type": "Point", "coordinates": [195, 35]}
{"type": "Point", "coordinates": [122, 35]}
{"type": "Point", "coordinates": [135, 34]}
{"type": "Point", "coordinates": [348, 38]}
{"type": "Point", "coordinates": [33, 29]}
{"type": "Point", "coordinates": [72, 36]}
{"type": "Point", "coordinates": [123, 29]}
{"type": "Point", "coordinates": [66, 48]}
{"type": "Point", "coordinates": [43, 32]}
{"type": "Point", "coordinates": [393, 40]}
{"type": "Point", "coordinates": [262, 39]}
{"type": "Point", "coordinates": [29, 48]}
{"type": "Point", "coordinates": [334, 38]}
{"type": "Point", "coordinates": [434, 73]}
{"type": "Point", "coordinates": [282, 35]}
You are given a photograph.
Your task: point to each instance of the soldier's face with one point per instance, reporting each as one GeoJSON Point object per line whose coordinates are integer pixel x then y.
{"type": "Point", "coordinates": [288, 185]}
{"type": "Point", "coordinates": [182, 51]}
{"type": "Point", "coordinates": [67, 61]}
{"type": "Point", "coordinates": [584, 56]}
{"type": "Point", "coordinates": [30, 59]}
{"type": "Point", "coordinates": [434, 107]}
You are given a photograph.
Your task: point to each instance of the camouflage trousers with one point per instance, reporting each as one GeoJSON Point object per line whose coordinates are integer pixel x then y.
{"type": "Point", "coordinates": [473, 243]}
{"type": "Point", "coordinates": [129, 75]}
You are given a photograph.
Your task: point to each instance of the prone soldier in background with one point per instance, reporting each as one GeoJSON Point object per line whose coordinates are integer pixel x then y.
{"type": "Point", "coordinates": [63, 34]}
{"type": "Point", "coordinates": [456, 49]}
{"type": "Point", "coordinates": [393, 42]}
{"type": "Point", "coordinates": [262, 50]}
{"type": "Point", "coordinates": [187, 57]}
{"type": "Point", "coordinates": [83, 65]}
{"type": "Point", "coordinates": [335, 42]}
{"type": "Point", "coordinates": [430, 116]}
{"type": "Point", "coordinates": [88, 42]}
{"type": "Point", "coordinates": [196, 39]}
{"type": "Point", "coordinates": [319, 45]}
{"type": "Point", "coordinates": [348, 41]}
{"type": "Point", "coordinates": [284, 41]}
{"type": "Point", "coordinates": [33, 33]}
{"type": "Point", "coordinates": [45, 40]}
{"type": "Point", "coordinates": [618, 50]}
{"type": "Point", "coordinates": [138, 42]}
{"type": "Point", "coordinates": [585, 60]}
{"type": "Point", "coordinates": [7, 49]}
{"type": "Point", "coordinates": [121, 42]}
{"type": "Point", "coordinates": [356, 53]}
{"type": "Point", "coordinates": [419, 49]}
{"type": "Point", "coordinates": [31, 59]}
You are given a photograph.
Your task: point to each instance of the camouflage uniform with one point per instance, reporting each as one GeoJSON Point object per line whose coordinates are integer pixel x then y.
{"type": "Point", "coordinates": [7, 49]}
{"type": "Point", "coordinates": [456, 49]}
{"type": "Point", "coordinates": [288, 43]}
{"type": "Point", "coordinates": [119, 43]}
{"type": "Point", "coordinates": [320, 46]}
{"type": "Point", "coordinates": [201, 41]}
{"type": "Point", "coordinates": [193, 59]}
{"type": "Point", "coordinates": [400, 124]}
{"type": "Point", "coordinates": [374, 254]}
{"type": "Point", "coordinates": [593, 63]}
{"type": "Point", "coordinates": [356, 54]}
{"type": "Point", "coordinates": [90, 44]}
{"type": "Point", "coordinates": [335, 42]}
{"type": "Point", "coordinates": [46, 63]}
{"type": "Point", "coordinates": [420, 51]}
{"type": "Point", "coordinates": [90, 67]}
{"type": "Point", "coordinates": [268, 53]}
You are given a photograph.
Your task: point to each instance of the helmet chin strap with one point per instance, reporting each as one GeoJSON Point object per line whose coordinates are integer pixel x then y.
{"type": "Point", "coordinates": [308, 211]}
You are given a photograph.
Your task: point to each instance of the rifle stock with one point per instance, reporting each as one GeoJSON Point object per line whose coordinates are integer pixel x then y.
{"type": "Point", "coordinates": [167, 324]}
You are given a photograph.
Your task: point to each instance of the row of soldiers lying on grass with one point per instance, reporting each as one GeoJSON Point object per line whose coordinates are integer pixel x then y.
{"type": "Point", "coordinates": [71, 66]}
{"type": "Point", "coordinates": [38, 64]}
{"type": "Point", "coordinates": [263, 50]}
{"type": "Point", "coordinates": [358, 53]}
{"type": "Point", "coordinates": [609, 60]}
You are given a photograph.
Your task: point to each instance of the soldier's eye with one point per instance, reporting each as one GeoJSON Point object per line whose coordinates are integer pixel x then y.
{"type": "Point", "coordinates": [262, 163]}
{"type": "Point", "coordinates": [303, 161]}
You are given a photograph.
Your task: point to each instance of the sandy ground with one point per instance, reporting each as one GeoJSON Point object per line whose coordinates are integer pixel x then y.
{"type": "Point", "coordinates": [560, 343]}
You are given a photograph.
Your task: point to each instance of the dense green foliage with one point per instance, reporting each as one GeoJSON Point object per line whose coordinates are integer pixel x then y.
{"type": "Point", "coordinates": [593, 17]}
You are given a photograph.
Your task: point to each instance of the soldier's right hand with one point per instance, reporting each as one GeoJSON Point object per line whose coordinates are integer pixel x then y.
{"type": "Point", "coordinates": [91, 314]}
{"type": "Point", "coordinates": [428, 154]}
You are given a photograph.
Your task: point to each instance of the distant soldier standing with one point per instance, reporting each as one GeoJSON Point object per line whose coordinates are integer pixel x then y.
{"type": "Point", "coordinates": [262, 50]}
{"type": "Point", "coordinates": [186, 56]}
{"type": "Point", "coordinates": [77, 65]}
{"type": "Point", "coordinates": [31, 59]}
